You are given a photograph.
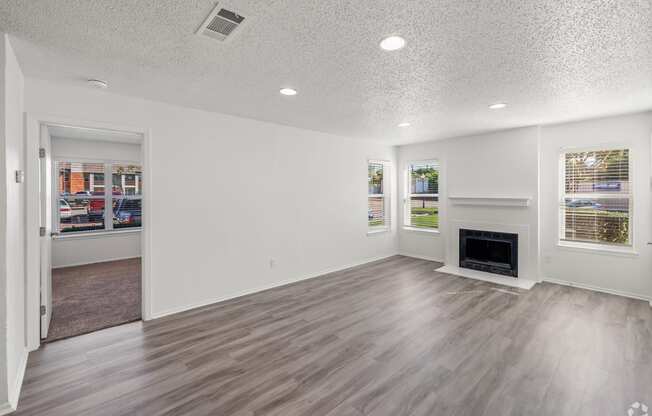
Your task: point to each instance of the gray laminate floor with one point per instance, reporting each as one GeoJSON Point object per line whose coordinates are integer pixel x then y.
{"type": "Point", "coordinates": [389, 338]}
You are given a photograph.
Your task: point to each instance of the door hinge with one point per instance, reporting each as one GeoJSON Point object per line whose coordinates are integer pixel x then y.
{"type": "Point", "coordinates": [41, 231]}
{"type": "Point", "coordinates": [41, 152]}
{"type": "Point", "coordinates": [43, 310]}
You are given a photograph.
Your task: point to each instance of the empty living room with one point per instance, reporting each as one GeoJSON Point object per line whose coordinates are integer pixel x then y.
{"type": "Point", "coordinates": [325, 208]}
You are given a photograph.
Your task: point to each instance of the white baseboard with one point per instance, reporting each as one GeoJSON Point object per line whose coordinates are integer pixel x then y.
{"type": "Point", "coordinates": [95, 262]}
{"type": "Point", "coordinates": [520, 282]}
{"type": "Point", "coordinates": [156, 315]}
{"type": "Point", "coordinates": [599, 289]}
{"type": "Point", "coordinates": [420, 256]}
{"type": "Point", "coordinates": [14, 391]}
{"type": "Point", "coordinates": [5, 409]}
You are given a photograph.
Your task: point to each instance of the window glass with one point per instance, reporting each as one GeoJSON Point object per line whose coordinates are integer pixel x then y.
{"type": "Point", "coordinates": [82, 179]}
{"type": "Point", "coordinates": [80, 214]}
{"type": "Point", "coordinates": [82, 196]}
{"type": "Point", "coordinates": [422, 205]}
{"type": "Point", "coordinates": [376, 201]}
{"type": "Point", "coordinates": [127, 179]}
{"type": "Point", "coordinates": [127, 213]}
{"type": "Point", "coordinates": [596, 202]}
{"type": "Point", "coordinates": [127, 193]}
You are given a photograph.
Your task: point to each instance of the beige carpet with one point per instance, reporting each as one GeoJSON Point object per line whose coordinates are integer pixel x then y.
{"type": "Point", "coordinates": [94, 296]}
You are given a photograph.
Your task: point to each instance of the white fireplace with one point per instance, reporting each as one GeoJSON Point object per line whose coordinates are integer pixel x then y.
{"type": "Point", "coordinates": [493, 214]}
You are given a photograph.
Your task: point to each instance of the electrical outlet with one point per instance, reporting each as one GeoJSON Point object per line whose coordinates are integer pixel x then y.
{"type": "Point", "coordinates": [272, 263]}
{"type": "Point", "coordinates": [20, 176]}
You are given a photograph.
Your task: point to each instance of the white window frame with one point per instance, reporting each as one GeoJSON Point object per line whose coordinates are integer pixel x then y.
{"type": "Point", "coordinates": [627, 248]}
{"type": "Point", "coordinates": [408, 194]}
{"type": "Point", "coordinates": [108, 197]}
{"type": "Point", "coordinates": [386, 196]}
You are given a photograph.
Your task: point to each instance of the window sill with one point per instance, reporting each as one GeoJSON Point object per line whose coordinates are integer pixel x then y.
{"type": "Point", "coordinates": [96, 234]}
{"type": "Point", "coordinates": [422, 230]}
{"type": "Point", "coordinates": [598, 248]}
{"type": "Point", "coordinates": [375, 231]}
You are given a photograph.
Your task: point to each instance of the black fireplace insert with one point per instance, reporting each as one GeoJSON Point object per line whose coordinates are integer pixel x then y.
{"type": "Point", "coordinates": [489, 251]}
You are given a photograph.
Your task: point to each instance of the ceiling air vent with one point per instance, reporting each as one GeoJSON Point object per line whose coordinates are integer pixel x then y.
{"type": "Point", "coordinates": [220, 24]}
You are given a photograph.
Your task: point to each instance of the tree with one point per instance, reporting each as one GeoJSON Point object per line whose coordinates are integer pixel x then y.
{"type": "Point", "coordinates": [428, 174]}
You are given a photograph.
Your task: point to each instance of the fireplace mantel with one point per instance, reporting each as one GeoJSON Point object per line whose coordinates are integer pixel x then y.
{"type": "Point", "coordinates": [491, 201]}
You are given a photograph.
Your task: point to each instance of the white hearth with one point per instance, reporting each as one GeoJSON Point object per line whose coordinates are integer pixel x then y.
{"type": "Point", "coordinates": [519, 282]}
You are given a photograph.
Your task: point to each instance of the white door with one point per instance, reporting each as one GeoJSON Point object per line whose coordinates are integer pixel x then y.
{"type": "Point", "coordinates": [45, 166]}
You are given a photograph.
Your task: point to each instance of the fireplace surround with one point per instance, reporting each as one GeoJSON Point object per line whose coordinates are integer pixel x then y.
{"type": "Point", "coordinates": [489, 251]}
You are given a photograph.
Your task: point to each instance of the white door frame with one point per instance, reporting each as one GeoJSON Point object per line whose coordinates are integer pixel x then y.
{"type": "Point", "coordinates": [46, 203]}
{"type": "Point", "coordinates": [33, 123]}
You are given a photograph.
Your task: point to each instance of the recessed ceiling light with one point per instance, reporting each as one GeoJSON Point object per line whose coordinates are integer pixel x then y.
{"type": "Point", "coordinates": [404, 125]}
{"type": "Point", "coordinates": [497, 106]}
{"type": "Point", "coordinates": [392, 43]}
{"type": "Point", "coordinates": [98, 83]}
{"type": "Point", "coordinates": [288, 91]}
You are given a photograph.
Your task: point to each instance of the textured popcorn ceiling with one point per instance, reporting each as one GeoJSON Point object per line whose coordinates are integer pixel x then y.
{"type": "Point", "coordinates": [551, 60]}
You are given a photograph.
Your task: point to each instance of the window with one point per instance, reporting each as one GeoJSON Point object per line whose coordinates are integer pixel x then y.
{"type": "Point", "coordinates": [596, 201]}
{"type": "Point", "coordinates": [82, 196]}
{"type": "Point", "coordinates": [127, 195]}
{"type": "Point", "coordinates": [378, 212]}
{"type": "Point", "coordinates": [422, 201]}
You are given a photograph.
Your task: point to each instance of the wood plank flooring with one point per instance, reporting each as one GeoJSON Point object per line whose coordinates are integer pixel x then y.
{"type": "Point", "coordinates": [389, 338]}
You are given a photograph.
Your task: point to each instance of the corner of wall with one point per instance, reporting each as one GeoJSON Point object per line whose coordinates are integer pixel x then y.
{"type": "Point", "coordinates": [14, 391]}
{"type": "Point", "coordinates": [5, 407]}
{"type": "Point", "coordinates": [538, 256]}
{"type": "Point", "coordinates": [12, 255]}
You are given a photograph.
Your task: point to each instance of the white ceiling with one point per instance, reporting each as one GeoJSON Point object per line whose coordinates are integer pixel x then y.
{"type": "Point", "coordinates": [551, 60]}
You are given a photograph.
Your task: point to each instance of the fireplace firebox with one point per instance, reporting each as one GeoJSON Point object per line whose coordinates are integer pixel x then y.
{"type": "Point", "coordinates": [489, 251]}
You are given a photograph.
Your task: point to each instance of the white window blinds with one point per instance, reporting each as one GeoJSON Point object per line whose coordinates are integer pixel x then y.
{"type": "Point", "coordinates": [596, 200]}
{"type": "Point", "coordinates": [84, 195]}
{"type": "Point", "coordinates": [127, 195]}
{"type": "Point", "coordinates": [422, 202]}
{"type": "Point", "coordinates": [81, 191]}
{"type": "Point", "coordinates": [377, 195]}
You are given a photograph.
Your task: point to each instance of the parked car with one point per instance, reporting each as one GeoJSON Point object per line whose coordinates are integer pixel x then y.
{"type": "Point", "coordinates": [607, 186]}
{"type": "Point", "coordinates": [69, 213]}
{"type": "Point", "coordinates": [96, 206]}
{"type": "Point", "coordinates": [583, 203]}
{"type": "Point", "coordinates": [127, 213]}
{"type": "Point", "coordinates": [96, 209]}
{"type": "Point", "coordinates": [65, 212]}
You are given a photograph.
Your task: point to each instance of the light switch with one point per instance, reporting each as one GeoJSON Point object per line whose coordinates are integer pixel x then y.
{"type": "Point", "coordinates": [20, 176]}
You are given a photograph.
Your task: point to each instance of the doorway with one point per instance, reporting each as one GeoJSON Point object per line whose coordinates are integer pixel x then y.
{"type": "Point", "coordinates": [91, 220]}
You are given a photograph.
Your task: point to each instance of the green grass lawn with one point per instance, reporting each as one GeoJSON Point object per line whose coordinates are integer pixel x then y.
{"type": "Point", "coordinates": [424, 217]}
{"type": "Point", "coordinates": [420, 217]}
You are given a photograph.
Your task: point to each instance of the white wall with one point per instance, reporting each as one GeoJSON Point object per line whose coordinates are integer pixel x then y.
{"type": "Point", "coordinates": [63, 147]}
{"type": "Point", "coordinates": [230, 194]}
{"type": "Point", "coordinates": [76, 250]}
{"type": "Point", "coordinates": [497, 164]}
{"type": "Point", "coordinates": [624, 274]}
{"type": "Point", "coordinates": [12, 219]}
{"type": "Point", "coordinates": [525, 162]}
